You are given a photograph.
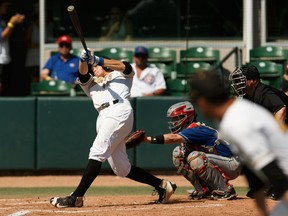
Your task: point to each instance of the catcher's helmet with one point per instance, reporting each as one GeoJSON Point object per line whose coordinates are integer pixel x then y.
{"type": "Point", "coordinates": [238, 82]}
{"type": "Point", "coordinates": [181, 115]}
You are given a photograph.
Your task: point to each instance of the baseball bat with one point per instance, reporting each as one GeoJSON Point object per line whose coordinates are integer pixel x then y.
{"type": "Point", "coordinates": [76, 23]}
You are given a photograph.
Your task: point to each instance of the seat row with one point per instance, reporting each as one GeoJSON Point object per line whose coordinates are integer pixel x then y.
{"type": "Point", "coordinates": [270, 61]}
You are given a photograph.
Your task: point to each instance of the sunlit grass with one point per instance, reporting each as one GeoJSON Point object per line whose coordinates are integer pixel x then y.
{"type": "Point", "coordinates": [93, 191]}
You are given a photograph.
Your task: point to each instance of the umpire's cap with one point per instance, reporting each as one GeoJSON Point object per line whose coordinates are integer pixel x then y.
{"type": "Point", "coordinates": [208, 84]}
{"type": "Point", "coordinates": [250, 72]}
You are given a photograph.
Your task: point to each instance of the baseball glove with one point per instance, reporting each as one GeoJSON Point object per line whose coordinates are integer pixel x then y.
{"type": "Point", "coordinates": [134, 138]}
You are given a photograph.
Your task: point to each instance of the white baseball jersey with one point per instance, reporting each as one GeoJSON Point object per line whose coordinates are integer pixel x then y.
{"type": "Point", "coordinates": [115, 122]}
{"type": "Point", "coordinates": [151, 79]}
{"type": "Point", "coordinates": [115, 85]}
{"type": "Point", "coordinates": [254, 135]}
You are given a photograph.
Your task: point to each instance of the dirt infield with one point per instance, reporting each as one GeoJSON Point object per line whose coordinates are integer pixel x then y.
{"type": "Point", "coordinates": [120, 204]}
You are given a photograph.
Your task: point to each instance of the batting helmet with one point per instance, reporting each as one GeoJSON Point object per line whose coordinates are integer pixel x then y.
{"type": "Point", "coordinates": [180, 115]}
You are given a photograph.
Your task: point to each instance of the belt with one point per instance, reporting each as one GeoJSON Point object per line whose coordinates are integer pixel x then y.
{"type": "Point", "coordinates": [107, 104]}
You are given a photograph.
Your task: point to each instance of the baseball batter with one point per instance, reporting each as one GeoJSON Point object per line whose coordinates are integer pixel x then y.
{"type": "Point", "coordinates": [109, 90]}
{"type": "Point", "coordinates": [203, 158]}
{"type": "Point", "coordinates": [254, 134]}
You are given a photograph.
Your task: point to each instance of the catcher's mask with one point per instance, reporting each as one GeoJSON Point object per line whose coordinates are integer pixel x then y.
{"type": "Point", "coordinates": [238, 82]}
{"type": "Point", "coordinates": [180, 116]}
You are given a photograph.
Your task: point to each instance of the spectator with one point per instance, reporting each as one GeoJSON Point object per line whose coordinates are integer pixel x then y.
{"type": "Point", "coordinates": [64, 65]}
{"type": "Point", "coordinates": [148, 79]}
{"type": "Point", "coordinates": [32, 62]}
{"type": "Point", "coordinates": [272, 99]}
{"type": "Point", "coordinates": [6, 31]}
{"type": "Point", "coordinates": [118, 27]}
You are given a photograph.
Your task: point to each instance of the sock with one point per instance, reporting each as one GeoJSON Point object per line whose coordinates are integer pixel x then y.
{"type": "Point", "coordinates": [140, 175]}
{"type": "Point", "coordinates": [91, 172]}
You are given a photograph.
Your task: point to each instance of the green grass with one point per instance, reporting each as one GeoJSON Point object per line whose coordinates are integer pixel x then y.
{"type": "Point", "coordinates": [93, 191]}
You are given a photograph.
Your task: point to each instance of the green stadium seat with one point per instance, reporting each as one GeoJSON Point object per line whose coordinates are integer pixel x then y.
{"type": "Point", "coordinates": [79, 91]}
{"type": "Point", "coordinates": [162, 55]}
{"type": "Point", "coordinates": [200, 53]}
{"type": "Point", "coordinates": [270, 72]}
{"type": "Point", "coordinates": [166, 69]}
{"type": "Point", "coordinates": [267, 53]}
{"type": "Point", "coordinates": [191, 67]}
{"type": "Point", "coordinates": [51, 88]}
{"type": "Point", "coordinates": [177, 87]}
{"type": "Point", "coordinates": [285, 51]}
{"type": "Point", "coordinates": [116, 53]}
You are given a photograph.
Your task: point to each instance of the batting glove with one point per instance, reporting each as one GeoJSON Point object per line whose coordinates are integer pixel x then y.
{"type": "Point", "coordinates": [86, 55]}
{"type": "Point", "coordinates": [96, 60]}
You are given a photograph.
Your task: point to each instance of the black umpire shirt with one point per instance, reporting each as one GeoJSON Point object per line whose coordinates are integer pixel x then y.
{"type": "Point", "coordinates": [270, 98]}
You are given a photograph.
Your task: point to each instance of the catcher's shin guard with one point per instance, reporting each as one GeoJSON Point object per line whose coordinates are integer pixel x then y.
{"type": "Point", "coordinates": [167, 188]}
{"type": "Point", "coordinates": [210, 174]}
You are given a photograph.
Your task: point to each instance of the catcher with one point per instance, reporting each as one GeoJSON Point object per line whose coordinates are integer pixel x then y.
{"type": "Point", "coordinates": [202, 158]}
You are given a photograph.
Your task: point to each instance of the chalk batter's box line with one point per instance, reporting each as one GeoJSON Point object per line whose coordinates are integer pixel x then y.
{"type": "Point", "coordinates": [27, 212]}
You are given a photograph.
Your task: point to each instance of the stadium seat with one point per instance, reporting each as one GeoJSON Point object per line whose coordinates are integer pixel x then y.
{"type": "Point", "coordinates": [191, 67]}
{"type": "Point", "coordinates": [200, 53]}
{"type": "Point", "coordinates": [79, 91]}
{"type": "Point", "coordinates": [166, 69]}
{"type": "Point", "coordinates": [51, 88]}
{"type": "Point", "coordinates": [162, 55]}
{"type": "Point", "coordinates": [116, 53]}
{"type": "Point", "coordinates": [177, 87]}
{"type": "Point", "coordinates": [270, 72]}
{"type": "Point", "coordinates": [267, 53]}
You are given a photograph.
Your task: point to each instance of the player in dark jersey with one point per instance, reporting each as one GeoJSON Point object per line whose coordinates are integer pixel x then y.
{"type": "Point", "coordinates": [202, 157]}
{"type": "Point", "coordinates": [247, 83]}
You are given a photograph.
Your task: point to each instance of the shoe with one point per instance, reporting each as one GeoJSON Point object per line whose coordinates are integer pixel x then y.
{"type": "Point", "coordinates": [274, 196]}
{"type": "Point", "coordinates": [250, 194]}
{"type": "Point", "coordinates": [271, 194]}
{"type": "Point", "coordinates": [68, 201]}
{"type": "Point", "coordinates": [167, 188]}
{"type": "Point", "coordinates": [230, 194]}
{"type": "Point", "coordinates": [197, 195]}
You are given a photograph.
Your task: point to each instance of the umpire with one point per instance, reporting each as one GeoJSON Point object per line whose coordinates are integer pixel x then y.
{"type": "Point", "coordinates": [274, 100]}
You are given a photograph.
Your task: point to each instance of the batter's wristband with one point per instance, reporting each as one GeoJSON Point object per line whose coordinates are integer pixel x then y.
{"type": "Point", "coordinates": [158, 139]}
{"type": "Point", "coordinates": [100, 61]}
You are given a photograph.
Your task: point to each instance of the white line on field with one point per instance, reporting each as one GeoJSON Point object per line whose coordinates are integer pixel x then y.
{"type": "Point", "coordinates": [27, 203]}
{"type": "Point", "coordinates": [25, 212]}
{"type": "Point", "coordinates": [5, 208]}
{"type": "Point", "coordinates": [20, 213]}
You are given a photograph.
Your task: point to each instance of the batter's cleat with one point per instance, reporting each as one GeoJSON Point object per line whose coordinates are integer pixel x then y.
{"type": "Point", "coordinates": [165, 191]}
{"type": "Point", "coordinates": [274, 196]}
{"type": "Point", "coordinates": [270, 193]}
{"type": "Point", "coordinates": [230, 194]}
{"type": "Point", "coordinates": [197, 195]}
{"type": "Point", "coordinates": [250, 194]}
{"type": "Point", "coordinates": [68, 201]}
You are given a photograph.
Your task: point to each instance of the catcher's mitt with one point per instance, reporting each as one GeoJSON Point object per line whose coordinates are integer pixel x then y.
{"type": "Point", "coordinates": [135, 138]}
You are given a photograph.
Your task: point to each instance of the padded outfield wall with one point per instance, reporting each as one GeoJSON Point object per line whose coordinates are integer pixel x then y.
{"type": "Point", "coordinates": [55, 133]}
